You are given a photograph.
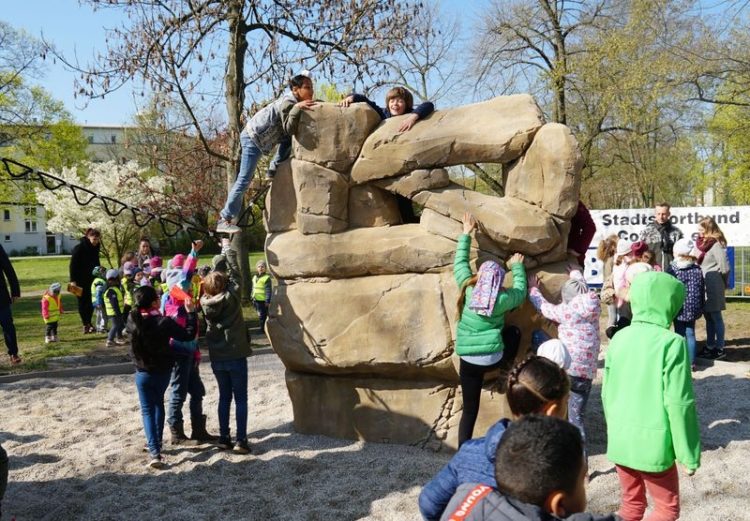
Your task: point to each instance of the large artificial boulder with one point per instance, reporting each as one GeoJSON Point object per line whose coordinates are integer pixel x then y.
{"type": "Point", "coordinates": [409, 185]}
{"type": "Point", "coordinates": [365, 307]}
{"type": "Point", "coordinates": [322, 197]}
{"type": "Point", "coordinates": [359, 252]}
{"type": "Point", "coordinates": [548, 173]}
{"type": "Point", "coordinates": [332, 136]}
{"type": "Point", "coordinates": [494, 131]}
{"type": "Point", "coordinates": [372, 206]}
{"type": "Point", "coordinates": [513, 224]}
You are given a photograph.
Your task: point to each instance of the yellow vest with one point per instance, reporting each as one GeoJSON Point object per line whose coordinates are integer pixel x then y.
{"type": "Point", "coordinates": [108, 304]}
{"type": "Point", "coordinates": [54, 308]}
{"type": "Point", "coordinates": [259, 287]}
{"type": "Point", "coordinates": [128, 288]}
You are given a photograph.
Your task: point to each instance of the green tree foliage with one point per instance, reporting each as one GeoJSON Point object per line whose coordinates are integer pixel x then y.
{"type": "Point", "coordinates": [34, 128]}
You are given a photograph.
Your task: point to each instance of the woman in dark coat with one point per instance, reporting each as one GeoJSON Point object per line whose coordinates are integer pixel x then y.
{"type": "Point", "coordinates": [84, 259]}
{"type": "Point", "coordinates": [7, 297]}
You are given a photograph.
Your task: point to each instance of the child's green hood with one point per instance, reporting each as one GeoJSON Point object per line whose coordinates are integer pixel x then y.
{"type": "Point", "coordinates": [656, 298]}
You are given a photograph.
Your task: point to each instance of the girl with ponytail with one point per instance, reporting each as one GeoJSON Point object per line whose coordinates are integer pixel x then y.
{"type": "Point", "coordinates": [536, 385]}
{"type": "Point", "coordinates": [153, 357]}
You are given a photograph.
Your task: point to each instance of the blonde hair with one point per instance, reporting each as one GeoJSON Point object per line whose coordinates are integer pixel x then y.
{"type": "Point", "coordinates": [712, 230]}
{"type": "Point", "coordinates": [462, 293]}
{"type": "Point", "coordinates": [214, 283]}
{"type": "Point", "coordinates": [607, 248]}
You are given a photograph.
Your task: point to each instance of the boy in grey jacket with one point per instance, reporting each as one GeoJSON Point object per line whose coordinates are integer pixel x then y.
{"type": "Point", "coordinates": [269, 127]}
{"type": "Point", "coordinates": [228, 348]}
{"type": "Point", "coordinates": [540, 471]}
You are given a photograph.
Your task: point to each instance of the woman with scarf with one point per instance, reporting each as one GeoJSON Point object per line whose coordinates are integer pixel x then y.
{"type": "Point", "coordinates": [711, 252]}
{"type": "Point", "coordinates": [482, 341]}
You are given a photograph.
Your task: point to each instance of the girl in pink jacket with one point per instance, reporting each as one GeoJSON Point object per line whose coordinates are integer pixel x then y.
{"type": "Point", "coordinates": [577, 319]}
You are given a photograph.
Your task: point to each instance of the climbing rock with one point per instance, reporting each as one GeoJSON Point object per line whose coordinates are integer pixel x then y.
{"type": "Point", "coordinates": [548, 173]}
{"type": "Point", "coordinates": [395, 326]}
{"type": "Point", "coordinates": [513, 224]}
{"type": "Point", "coordinates": [494, 131]}
{"type": "Point", "coordinates": [280, 209]}
{"type": "Point", "coordinates": [414, 182]}
{"type": "Point", "coordinates": [332, 136]}
{"type": "Point", "coordinates": [419, 413]}
{"type": "Point", "coordinates": [322, 198]}
{"type": "Point", "coordinates": [372, 206]}
{"type": "Point", "coordinates": [359, 252]}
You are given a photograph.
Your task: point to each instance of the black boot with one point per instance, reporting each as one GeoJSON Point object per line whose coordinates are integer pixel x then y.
{"type": "Point", "coordinates": [178, 435]}
{"type": "Point", "coordinates": [199, 430]}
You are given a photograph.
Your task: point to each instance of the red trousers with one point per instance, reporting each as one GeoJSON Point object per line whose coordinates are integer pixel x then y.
{"type": "Point", "coordinates": [663, 487]}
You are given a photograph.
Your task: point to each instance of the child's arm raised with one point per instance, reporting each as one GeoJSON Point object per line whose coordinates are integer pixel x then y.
{"type": "Point", "coordinates": [291, 112]}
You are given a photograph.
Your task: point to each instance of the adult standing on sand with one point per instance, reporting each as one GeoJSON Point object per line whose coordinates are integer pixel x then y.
{"type": "Point", "coordinates": [84, 259]}
{"type": "Point", "coordinates": [6, 300]}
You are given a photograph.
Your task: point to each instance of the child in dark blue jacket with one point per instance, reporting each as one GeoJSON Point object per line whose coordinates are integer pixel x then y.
{"type": "Point", "coordinates": [530, 380]}
{"type": "Point", "coordinates": [685, 268]}
{"type": "Point", "coordinates": [398, 101]}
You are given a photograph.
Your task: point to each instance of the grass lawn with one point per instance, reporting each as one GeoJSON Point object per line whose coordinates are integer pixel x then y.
{"type": "Point", "coordinates": [36, 274]}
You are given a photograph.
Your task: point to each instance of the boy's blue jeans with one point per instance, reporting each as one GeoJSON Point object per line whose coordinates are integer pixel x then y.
{"type": "Point", "coordinates": [151, 388]}
{"type": "Point", "coordinates": [231, 377]}
{"type": "Point", "coordinates": [714, 329]}
{"type": "Point", "coordinates": [185, 379]}
{"type": "Point", "coordinates": [248, 160]}
{"type": "Point", "coordinates": [116, 329]}
{"type": "Point", "coordinates": [686, 328]}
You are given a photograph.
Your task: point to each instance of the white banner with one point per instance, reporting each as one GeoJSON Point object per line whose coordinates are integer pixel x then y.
{"type": "Point", "coordinates": [734, 221]}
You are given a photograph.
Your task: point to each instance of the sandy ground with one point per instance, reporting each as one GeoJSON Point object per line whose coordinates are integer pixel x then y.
{"type": "Point", "coordinates": [76, 453]}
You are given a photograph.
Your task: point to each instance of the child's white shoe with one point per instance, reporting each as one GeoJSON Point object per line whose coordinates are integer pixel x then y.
{"type": "Point", "coordinates": [224, 226]}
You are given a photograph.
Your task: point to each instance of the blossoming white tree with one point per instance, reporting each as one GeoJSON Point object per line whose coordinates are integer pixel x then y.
{"type": "Point", "coordinates": [127, 183]}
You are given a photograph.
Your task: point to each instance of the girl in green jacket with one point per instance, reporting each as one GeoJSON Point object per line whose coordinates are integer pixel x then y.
{"type": "Point", "coordinates": [482, 341]}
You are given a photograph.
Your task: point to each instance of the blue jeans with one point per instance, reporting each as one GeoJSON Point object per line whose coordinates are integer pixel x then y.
{"type": "Point", "coordinates": [580, 389]}
{"type": "Point", "coordinates": [151, 388]}
{"type": "Point", "coordinates": [687, 329]}
{"type": "Point", "coordinates": [115, 329]}
{"type": "Point", "coordinates": [231, 377]}
{"type": "Point", "coordinates": [186, 379]}
{"type": "Point", "coordinates": [248, 160]}
{"type": "Point", "coordinates": [9, 330]}
{"type": "Point", "coordinates": [714, 329]}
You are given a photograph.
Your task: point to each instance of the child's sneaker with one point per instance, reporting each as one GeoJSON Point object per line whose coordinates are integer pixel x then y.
{"type": "Point", "coordinates": [242, 447]}
{"type": "Point", "coordinates": [48, 339]}
{"type": "Point", "coordinates": [110, 343]}
{"type": "Point", "coordinates": [715, 354]}
{"type": "Point", "coordinates": [54, 338]}
{"type": "Point", "coordinates": [157, 462]}
{"type": "Point", "coordinates": [224, 226]}
{"type": "Point", "coordinates": [15, 360]}
{"type": "Point", "coordinates": [121, 341]}
{"type": "Point", "coordinates": [224, 443]}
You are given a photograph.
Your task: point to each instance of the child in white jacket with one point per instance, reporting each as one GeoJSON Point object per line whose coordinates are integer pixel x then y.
{"type": "Point", "coordinates": [578, 329]}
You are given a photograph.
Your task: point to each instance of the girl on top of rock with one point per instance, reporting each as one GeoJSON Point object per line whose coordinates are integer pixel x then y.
{"type": "Point", "coordinates": [398, 101]}
{"type": "Point", "coordinates": [482, 340]}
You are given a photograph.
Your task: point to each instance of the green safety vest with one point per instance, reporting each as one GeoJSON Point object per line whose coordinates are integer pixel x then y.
{"type": "Point", "coordinates": [98, 281]}
{"type": "Point", "coordinates": [108, 304]}
{"type": "Point", "coordinates": [54, 308]}
{"type": "Point", "coordinates": [259, 287]}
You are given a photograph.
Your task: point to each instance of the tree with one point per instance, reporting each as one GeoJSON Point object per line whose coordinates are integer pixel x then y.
{"type": "Point", "coordinates": [187, 47]}
{"type": "Point", "coordinates": [34, 128]}
{"type": "Point", "coordinates": [120, 182]}
{"type": "Point", "coordinates": [523, 41]}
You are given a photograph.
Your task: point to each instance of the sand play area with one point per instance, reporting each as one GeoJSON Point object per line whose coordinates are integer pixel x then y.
{"type": "Point", "coordinates": [75, 447]}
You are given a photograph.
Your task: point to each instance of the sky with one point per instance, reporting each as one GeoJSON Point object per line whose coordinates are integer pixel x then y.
{"type": "Point", "coordinates": [78, 30]}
